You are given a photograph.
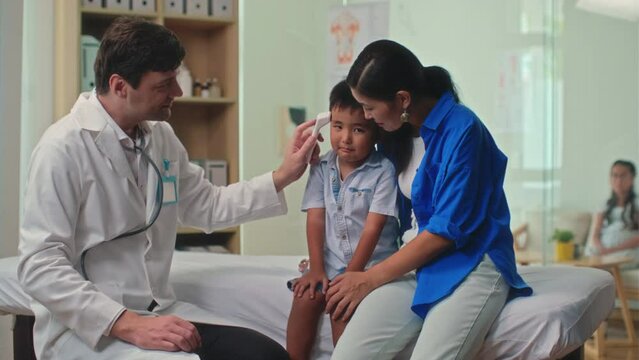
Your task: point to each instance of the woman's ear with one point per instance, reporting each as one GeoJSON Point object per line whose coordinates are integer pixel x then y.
{"type": "Point", "coordinates": [404, 99]}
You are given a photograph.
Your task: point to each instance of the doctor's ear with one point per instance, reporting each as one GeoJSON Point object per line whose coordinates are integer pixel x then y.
{"type": "Point", "coordinates": [117, 85]}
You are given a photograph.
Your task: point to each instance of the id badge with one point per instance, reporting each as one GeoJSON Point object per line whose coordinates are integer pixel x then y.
{"type": "Point", "coordinates": [169, 184]}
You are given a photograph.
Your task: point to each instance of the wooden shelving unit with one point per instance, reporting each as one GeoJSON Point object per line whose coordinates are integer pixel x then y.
{"type": "Point", "coordinates": [208, 127]}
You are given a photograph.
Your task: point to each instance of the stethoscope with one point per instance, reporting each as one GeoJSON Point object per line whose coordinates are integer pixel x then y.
{"type": "Point", "coordinates": [159, 198]}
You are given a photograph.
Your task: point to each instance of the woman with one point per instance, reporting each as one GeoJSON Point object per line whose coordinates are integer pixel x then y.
{"type": "Point", "coordinates": [617, 225]}
{"type": "Point", "coordinates": [451, 175]}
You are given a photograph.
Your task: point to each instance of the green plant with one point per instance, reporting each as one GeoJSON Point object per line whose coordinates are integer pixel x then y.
{"type": "Point", "coordinates": [562, 236]}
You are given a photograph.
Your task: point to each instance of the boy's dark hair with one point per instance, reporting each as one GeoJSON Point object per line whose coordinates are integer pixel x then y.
{"type": "Point", "coordinates": [132, 46]}
{"type": "Point", "coordinates": [341, 97]}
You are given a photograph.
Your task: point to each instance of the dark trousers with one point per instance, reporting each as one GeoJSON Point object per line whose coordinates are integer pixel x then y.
{"type": "Point", "coordinates": [221, 342]}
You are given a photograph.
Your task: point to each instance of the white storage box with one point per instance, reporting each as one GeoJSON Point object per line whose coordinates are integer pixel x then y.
{"type": "Point", "coordinates": [143, 5]}
{"type": "Point", "coordinates": [118, 4]}
{"type": "Point", "coordinates": [222, 8]}
{"type": "Point", "coordinates": [197, 7]}
{"type": "Point", "coordinates": [92, 4]}
{"type": "Point", "coordinates": [174, 6]}
{"type": "Point", "coordinates": [217, 172]}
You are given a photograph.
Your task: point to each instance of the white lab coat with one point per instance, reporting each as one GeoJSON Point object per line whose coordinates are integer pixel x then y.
{"type": "Point", "coordinates": [80, 194]}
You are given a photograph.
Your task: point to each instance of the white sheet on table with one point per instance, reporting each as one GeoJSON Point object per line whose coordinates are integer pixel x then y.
{"type": "Point", "coordinates": [567, 305]}
{"type": "Point", "coordinates": [250, 291]}
{"type": "Point", "coordinates": [12, 299]}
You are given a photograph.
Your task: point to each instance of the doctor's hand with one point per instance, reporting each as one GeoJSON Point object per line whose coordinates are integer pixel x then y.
{"type": "Point", "coordinates": [300, 148]}
{"type": "Point", "coordinates": [168, 333]}
{"type": "Point", "coordinates": [345, 292]}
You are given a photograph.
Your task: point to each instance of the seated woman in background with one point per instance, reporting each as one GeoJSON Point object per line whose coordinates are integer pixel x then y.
{"type": "Point", "coordinates": [617, 226]}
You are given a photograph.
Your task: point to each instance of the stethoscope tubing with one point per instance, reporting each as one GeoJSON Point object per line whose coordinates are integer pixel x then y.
{"type": "Point", "coordinates": [159, 194]}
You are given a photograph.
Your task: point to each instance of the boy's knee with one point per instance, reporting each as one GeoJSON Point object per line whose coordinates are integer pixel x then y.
{"type": "Point", "coordinates": [305, 302]}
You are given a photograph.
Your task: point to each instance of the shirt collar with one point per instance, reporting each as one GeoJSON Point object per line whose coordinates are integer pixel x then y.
{"type": "Point", "coordinates": [445, 103]}
{"type": "Point", "coordinates": [121, 135]}
{"type": "Point", "coordinates": [374, 160]}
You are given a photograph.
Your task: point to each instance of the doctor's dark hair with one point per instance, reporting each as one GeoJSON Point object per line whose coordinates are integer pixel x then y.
{"type": "Point", "coordinates": [131, 47]}
{"type": "Point", "coordinates": [629, 205]}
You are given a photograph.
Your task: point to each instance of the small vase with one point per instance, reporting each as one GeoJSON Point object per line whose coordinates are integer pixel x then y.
{"type": "Point", "coordinates": [564, 251]}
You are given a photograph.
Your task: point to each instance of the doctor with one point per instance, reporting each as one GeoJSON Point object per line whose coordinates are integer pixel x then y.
{"type": "Point", "coordinates": [97, 272]}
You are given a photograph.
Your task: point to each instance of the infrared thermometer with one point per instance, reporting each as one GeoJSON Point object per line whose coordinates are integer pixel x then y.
{"type": "Point", "coordinates": [320, 120]}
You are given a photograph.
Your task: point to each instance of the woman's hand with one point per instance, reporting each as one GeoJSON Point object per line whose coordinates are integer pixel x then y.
{"type": "Point", "coordinates": [309, 282]}
{"type": "Point", "coordinates": [345, 293]}
{"type": "Point", "coordinates": [300, 149]}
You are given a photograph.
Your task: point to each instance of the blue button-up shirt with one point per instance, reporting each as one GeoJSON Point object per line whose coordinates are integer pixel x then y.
{"type": "Point", "coordinates": [458, 194]}
{"type": "Point", "coordinates": [369, 188]}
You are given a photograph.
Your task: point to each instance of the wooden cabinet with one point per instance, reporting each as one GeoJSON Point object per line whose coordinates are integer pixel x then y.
{"type": "Point", "coordinates": [208, 127]}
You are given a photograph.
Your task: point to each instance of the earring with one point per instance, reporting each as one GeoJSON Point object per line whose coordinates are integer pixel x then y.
{"type": "Point", "coordinates": [404, 116]}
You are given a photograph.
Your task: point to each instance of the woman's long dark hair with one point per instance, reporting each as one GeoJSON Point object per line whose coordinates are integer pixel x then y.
{"type": "Point", "coordinates": [630, 200]}
{"type": "Point", "coordinates": [385, 67]}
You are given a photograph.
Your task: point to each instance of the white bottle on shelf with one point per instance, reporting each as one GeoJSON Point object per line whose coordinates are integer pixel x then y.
{"type": "Point", "coordinates": [205, 88]}
{"type": "Point", "coordinates": [215, 91]}
{"type": "Point", "coordinates": [185, 81]}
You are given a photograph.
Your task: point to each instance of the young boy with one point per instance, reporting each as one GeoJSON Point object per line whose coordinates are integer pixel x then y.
{"type": "Point", "coordinates": [350, 200]}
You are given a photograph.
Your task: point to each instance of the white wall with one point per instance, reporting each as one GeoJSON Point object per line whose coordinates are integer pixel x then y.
{"type": "Point", "coordinates": [37, 77]}
{"type": "Point", "coordinates": [282, 65]}
{"type": "Point", "coordinates": [601, 114]}
{"type": "Point", "coordinates": [10, 65]}
{"type": "Point", "coordinates": [10, 53]}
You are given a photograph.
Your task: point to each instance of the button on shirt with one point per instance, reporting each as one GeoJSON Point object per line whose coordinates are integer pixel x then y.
{"type": "Point", "coordinates": [457, 193]}
{"type": "Point", "coordinates": [369, 188]}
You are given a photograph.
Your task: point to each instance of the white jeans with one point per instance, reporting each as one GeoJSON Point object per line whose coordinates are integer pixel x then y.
{"type": "Point", "coordinates": [454, 328]}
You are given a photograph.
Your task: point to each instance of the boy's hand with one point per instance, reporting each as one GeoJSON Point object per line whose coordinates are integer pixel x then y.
{"type": "Point", "coordinates": [309, 282]}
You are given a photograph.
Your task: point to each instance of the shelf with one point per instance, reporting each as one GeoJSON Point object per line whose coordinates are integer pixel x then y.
{"type": "Point", "coordinates": [207, 127]}
{"type": "Point", "coordinates": [187, 230]}
{"type": "Point", "coordinates": [198, 22]}
{"type": "Point", "coordinates": [117, 12]}
{"type": "Point", "coordinates": [203, 100]}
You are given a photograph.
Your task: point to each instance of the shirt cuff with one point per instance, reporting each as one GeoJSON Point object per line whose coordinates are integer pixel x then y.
{"type": "Point", "coordinates": [278, 199]}
{"type": "Point", "coordinates": [107, 332]}
{"type": "Point", "coordinates": [384, 211]}
{"type": "Point", "coordinates": [110, 312]}
{"type": "Point", "coordinates": [443, 227]}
